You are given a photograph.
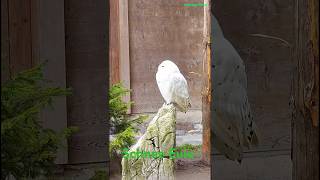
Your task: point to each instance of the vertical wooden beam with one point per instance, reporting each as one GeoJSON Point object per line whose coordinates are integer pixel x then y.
{"type": "Point", "coordinates": [49, 45]}
{"type": "Point", "coordinates": [305, 129]}
{"type": "Point", "coordinates": [5, 70]}
{"type": "Point", "coordinates": [20, 35]}
{"type": "Point", "coordinates": [35, 27]}
{"type": "Point", "coordinates": [124, 47]}
{"type": "Point", "coordinates": [86, 29]}
{"type": "Point", "coordinates": [206, 96]}
{"type": "Point", "coordinates": [114, 48]}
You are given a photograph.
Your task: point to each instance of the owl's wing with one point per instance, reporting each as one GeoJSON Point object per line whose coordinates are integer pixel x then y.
{"type": "Point", "coordinates": [233, 125]}
{"type": "Point", "coordinates": [180, 95]}
{"type": "Point", "coordinates": [164, 86]}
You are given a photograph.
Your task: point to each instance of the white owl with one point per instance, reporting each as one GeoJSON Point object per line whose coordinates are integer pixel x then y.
{"type": "Point", "coordinates": [232, 124]}
{"type": "Point", "coordinates": [173, 86]}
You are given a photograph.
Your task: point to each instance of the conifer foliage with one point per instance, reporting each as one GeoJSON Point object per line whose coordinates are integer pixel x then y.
{"type": "Point", "coordinates": [27, 149]}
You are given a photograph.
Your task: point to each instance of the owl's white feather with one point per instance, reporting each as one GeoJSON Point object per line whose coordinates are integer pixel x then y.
{"type": "Point", "coordinates": [173, 86]}
{"type": "Point", "coordinates": [232, 119]}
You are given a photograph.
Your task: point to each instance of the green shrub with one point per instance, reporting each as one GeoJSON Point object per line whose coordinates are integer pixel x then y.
{"type": "Point", "coordinates": [190, 147]}
{"type": "Point", "coordinates": [123, 140]}
{"type": "Point", "coordinates": [123, 125]}
{"type": "Point", "coordinates": [120, 120]}
{"type": "Point", "coordinates": [196, 149]}
{"type": "Point", "coordinates": [27, 149]}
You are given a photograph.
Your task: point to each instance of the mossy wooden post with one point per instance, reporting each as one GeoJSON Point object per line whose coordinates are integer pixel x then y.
{"type": "Point", "coordinates": [206, 90]}
{"type": "Point", "coordinates": [159, 137]}
{"type": "Point", "coordinates": [305, 127]}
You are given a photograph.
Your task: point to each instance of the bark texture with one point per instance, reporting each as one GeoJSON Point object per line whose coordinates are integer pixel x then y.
{"type": "Point", "coordinates": [159, 137]}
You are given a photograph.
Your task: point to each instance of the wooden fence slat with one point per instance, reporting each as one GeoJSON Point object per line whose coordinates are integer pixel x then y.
{"type": "Point", "coordinates": [305, 130]}
{"type": "Point", "coordinates": [5, 70]}
{"type": "Point", "coordinates": [20, 35]}
{"type": "Point", "coordinates": [114, 49]}
{"type": "Point", "coordinates": [206, 85]}
{"type": "Point", "coordinates": [124, 47]}
{"type": "Point", "coordinates": [49, 45]}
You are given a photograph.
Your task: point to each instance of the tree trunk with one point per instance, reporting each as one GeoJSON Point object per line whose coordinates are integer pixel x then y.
{"type": "Point", "coordinates": [305, 130]}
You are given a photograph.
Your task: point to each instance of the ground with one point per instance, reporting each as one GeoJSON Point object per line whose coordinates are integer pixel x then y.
{"type": "Point", "coordinates": [275, 165]}
{"type": "Point", "coordinates": [192, 169]}
{"type": "Point", "coordinates": [186, 170]}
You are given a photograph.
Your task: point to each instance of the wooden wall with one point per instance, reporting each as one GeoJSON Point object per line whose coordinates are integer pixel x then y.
{"type": "Point", "coordinates": [49, 45]}
{"type": "Point", "coordinates": [87, 73]}
{"type": "Point", "coordinates": [16, 51]}
{"type": "Point", "coordinates": [72, 36]}
{"type": "Point", "coordinates": [160, 30]}
{"type": "Point", "coordinates": [5, 68]}
{"type": "Point", "coordinates": [33, 31]}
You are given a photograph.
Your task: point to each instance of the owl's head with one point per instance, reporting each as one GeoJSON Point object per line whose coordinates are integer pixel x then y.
{"type": "Point", "coordinates": [168, 66]}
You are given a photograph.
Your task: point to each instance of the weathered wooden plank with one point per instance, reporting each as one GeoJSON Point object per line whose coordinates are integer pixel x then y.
{"type": "Point", "coordinates": [124, 47]}
{"type": "Point", "coordinates": [114, 49]}
{"type": "Point", "coordinates": [20, 35]}
{"type": "Point", "coordinates": [86, 29]}
{"type": "Point", "coordinates": [162, 30]}
{"type": "Point", "coordinates": [206, 85]}
{"type": "Point", "coordinates": [5, 70]}
{"type": "Point", "coordinates": [305, 144]}
{"type": "Point", "coordinates": [48, 44]}
{"type": "Point", "coordinates": [35, 27]}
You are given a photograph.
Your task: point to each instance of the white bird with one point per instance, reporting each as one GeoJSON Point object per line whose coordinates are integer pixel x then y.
{"type": "Point", "coordinates": [173, 86]}
{"type": "Point", "coordinates": [232, 119]}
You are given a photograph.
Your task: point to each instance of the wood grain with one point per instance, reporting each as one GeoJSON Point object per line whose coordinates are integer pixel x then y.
{"type": "Point", "coordinates": [206, 86]}
{"type": "Point", "coordinates": [114, 49]}
{"type": "Point", "coordinates": [5, 70]}
{"type": "Point", "coordinates": [124, 47]}
{"type": "Point", "coordinates": [20, 35]}
{"type": "Point", "coordinates": [305, 132]}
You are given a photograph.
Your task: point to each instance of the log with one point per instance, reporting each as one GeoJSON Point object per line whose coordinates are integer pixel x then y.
{"type": "Point", "coordinates": [149, 157]}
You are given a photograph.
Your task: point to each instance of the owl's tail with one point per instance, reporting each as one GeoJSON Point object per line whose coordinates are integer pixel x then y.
{"type": "Point", "coordinates": [182, 104]}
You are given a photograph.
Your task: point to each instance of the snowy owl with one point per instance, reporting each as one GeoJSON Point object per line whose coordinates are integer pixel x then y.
{"type": "Point", "coordinates": [232, 119]}
{"type": "Point", "coordinates": [173, 86]}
